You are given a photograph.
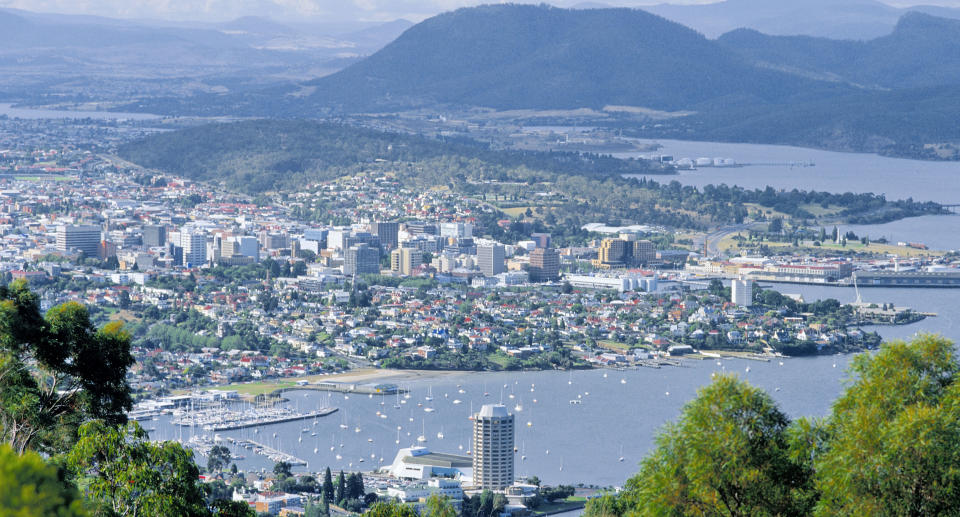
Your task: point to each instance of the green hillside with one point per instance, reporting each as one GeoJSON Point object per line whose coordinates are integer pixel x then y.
{"type": "Point", "coordinates": [523, 56]}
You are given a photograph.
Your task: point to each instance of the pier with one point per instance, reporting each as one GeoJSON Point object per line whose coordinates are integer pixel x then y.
{"type": "Point", "coordinates": [275, 455]}
{"type": "Point", "coordinates": [232, 420]}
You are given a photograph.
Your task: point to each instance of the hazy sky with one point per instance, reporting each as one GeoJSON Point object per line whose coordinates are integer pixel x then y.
{"type": "Point", "coordinates": [332, 10]}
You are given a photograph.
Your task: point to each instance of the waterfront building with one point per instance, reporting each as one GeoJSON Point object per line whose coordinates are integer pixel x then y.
{"type": "Point", "coordinates": [420, 463]}
{"type": "Point", "coordinates": [490, 259]}
{"type": "Point", "coordinates": [493, 441]}
{"type": "Point", "coordinates": [621, 283]}
{"type": "Point", "coordinates": [544, 265]}
{"type": "Point", "coordinates": [85, 238]}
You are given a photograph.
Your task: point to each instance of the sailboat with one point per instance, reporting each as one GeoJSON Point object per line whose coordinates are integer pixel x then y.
{"type": "Point", "coordinates": [423, 436]}
{"type": "Point", "coordinates": [621, 454]}
{"type": "Point", "coordinates": [440, 433]}
{"type": "Point", "coordinates": [429, 396]}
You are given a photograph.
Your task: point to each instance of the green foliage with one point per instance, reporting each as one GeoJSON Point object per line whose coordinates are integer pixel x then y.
{"type": "Point", "coordinates": [727, 455]}
{"type": "Point", "coordinates": [57, 371]}
{"type": "Point", "coordinates": [121, 473]}
{"type": "Point", "coordinates": [889, 447]}
{"type": "Point", "coordinates": [218, 458]}
{"type": "Point", "coordinates": [391, 509]}
{"type": "Point", "coordinates": [328, 494]}
{"type": "Point", "coordinates": [506, 57]}
{"type": "Point", "coordinates": [30, 487]}
{"type": "Point", "coordinates": [484, 504]}
{"type": "Point", "coordinates": [225, 508]}
{"type": "Point", "coordinates": [892, 440]}
{"type": "Point", "coordinates": [267, 155]}
{"type": "Point", "coordinates": [437, 506]}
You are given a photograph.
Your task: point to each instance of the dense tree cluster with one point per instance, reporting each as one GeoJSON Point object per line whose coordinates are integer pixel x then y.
{"type": "Point", "coordinates": [67, 449]}
{"type": "Point", "coordinates": [889, 447]}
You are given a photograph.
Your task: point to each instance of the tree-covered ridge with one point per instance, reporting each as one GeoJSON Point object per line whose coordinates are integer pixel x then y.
{"type": "Point", "coordinates": [266, 155]}
{"type": "Point", "coordinates": [536, 56]}
{"type": "Point", "coordinates": [922, 51]}
{"type": "Point", "coordinates": [889, 447]}
{"type": "Point", "coordinates": [263, 155]}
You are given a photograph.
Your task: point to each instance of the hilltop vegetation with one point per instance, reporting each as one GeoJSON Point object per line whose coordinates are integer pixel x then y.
{"type": "Point", "coordinates": [262, 155]}
{"type": "Point", "coordinates": [286, 156]}
{"type": "Point", "coordinates": [525, 56]}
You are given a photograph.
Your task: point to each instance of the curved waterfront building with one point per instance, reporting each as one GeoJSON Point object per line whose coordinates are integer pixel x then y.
{"type": "Point", "coordinates": [493, 431]}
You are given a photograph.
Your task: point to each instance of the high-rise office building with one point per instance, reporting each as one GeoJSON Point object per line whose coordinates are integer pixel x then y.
{"type": "Point", "coordinates": [544, 265]}
{"type": "Point", "coordinates": [614, 253]}
{"type": "Point", "coordinates": [741, 292]}
{"type": "Point", "coordinates": [493, 439]}
{"type": "Point", "coordinates": [194, 244]}
{"type": "Point", "coordinates": [361, 259]}
{"type": "Point", "coordinates": [420, 228]}
{"type": "Point", "coordinates": [387, 232]}
{"type": "Point", "coordinates": [85, 238]}
{"type": "Point", "coordinates": [490, 259]}
{"type": "Point", "coordinates": [541, 240]}
{"type": "Point", "coordinates": [456, 230]}
{"type": "Point", "coordinates": [404, 260]}
{"type": "Point", "coordinates": [154, 235]}
{"type": "Point", "coordinates": [644, 252]}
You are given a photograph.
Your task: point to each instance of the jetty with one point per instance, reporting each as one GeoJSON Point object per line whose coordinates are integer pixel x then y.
{"type": "Point", "coordinates": [219, 420]}
{"type": "Point", "coordinates": [275, 455]}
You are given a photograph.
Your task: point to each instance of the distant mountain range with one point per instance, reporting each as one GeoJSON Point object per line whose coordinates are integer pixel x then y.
{"type": "Point", "coordinates": [891, 94]}
{"type": "Point", "coordinates": [71, 58]}
{"type": "Point", "coordinates": [897, 93]}
{"type": "Point", "coordinates": [524, 56]}
{"type": "Point", "coordinates": [839, 19]}
{"type": "Point", "coordinates": [922, 51]}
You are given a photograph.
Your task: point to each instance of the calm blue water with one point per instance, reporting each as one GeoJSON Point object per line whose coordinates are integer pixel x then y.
{"type": "Point", "coordinates": [616, 419]}
{"type": "Point", "coordinates": [29, 113]}
{"type": "Point", "coordinates": [834, 172]}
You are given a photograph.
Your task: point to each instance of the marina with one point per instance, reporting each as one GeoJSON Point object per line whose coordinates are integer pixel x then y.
{"type": "Point", "coordinates": [221, 419]}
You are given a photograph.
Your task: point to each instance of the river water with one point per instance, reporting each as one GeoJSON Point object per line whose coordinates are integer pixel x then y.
{"type": "Point", "coordinates": [31, 113]}
{"type": "Point", "coordinates": [619, 415]}
{"type": "Point", "coordinates": [833, 171]}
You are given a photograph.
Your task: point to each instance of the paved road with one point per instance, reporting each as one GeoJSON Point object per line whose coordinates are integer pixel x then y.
{"type": "Point", "coordinates": [714, 237]}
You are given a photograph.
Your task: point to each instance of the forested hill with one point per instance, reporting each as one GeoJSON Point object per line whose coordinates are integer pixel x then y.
{"type": "Point", "coordinates": [525, 56]}
{"type": "Point", "coordinates": [922, 51]}
{"type": "Point", "coordinates": [264, 155]}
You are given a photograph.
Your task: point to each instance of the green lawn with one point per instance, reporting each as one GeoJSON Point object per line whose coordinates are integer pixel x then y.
{"type": "Point", "coordinates": [614, 345]}
{"type": "Point", "coordinates": [565, 505]}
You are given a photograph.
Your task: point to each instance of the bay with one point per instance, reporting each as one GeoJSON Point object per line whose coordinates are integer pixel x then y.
{"type": "Point", "coordinates": [31, 113]}
{"type": "Point", "coordinates": [836, 172]}
{"type": "Point", "coordinates": [619, 415]}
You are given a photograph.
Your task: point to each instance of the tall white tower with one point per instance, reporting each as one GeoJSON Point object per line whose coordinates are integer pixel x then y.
{"type": "Point", "coordinates": [493, 431]}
